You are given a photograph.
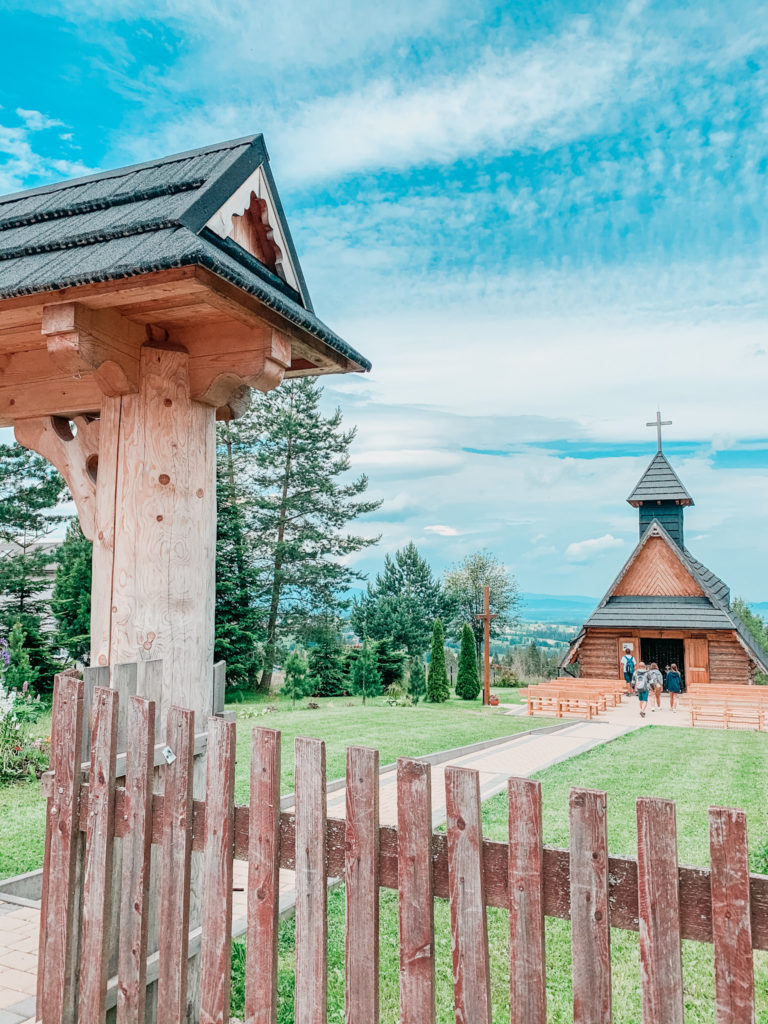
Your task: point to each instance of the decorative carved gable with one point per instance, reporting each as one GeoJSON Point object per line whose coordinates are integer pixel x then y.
{"type": "Point", "coordinates": [249, 217]}
{"type": "Point", "coordinates": [658, 572]}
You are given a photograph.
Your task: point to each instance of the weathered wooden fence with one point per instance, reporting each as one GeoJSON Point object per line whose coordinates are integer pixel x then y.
{"type": "Point", "coordinates": [653, 894]}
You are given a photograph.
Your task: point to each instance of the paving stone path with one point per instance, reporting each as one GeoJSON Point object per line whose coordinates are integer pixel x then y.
{"type": "Point", "coordinates": [520, 755]}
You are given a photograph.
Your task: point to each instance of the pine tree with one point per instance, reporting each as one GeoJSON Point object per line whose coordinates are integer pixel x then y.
{"type": "Point", "coordinates": [402, 602]}
{"type": "Point", "coordinates": [297, 683]}
{"type": "Point", "coordinates": [366, 677]}
{"type": "Point", "coordinates": [417, 680]}
{"type": "Point", "coordinates": [437, 677]}
{"type": "Point", "coordinates": [391, 662]}
{"type": "Point", "coordinates": [467, 678]}
{"type": "Point", "coordinates": [292, 462]}
{"type": "Point", "coordinates": [30, 494]}
{"type": "Point", "coordinates": [19, 669]}
{"type": "Point", "coordinates": [71, 598]}
{"type": "Point", "coordinates": [326, 664]}
{"type": "Point", "coordinates": [237, 625]}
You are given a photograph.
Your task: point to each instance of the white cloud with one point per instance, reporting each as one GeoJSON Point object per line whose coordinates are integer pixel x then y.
{"type": "Point", "coordinates": [442, 531]}
{"type": "Point", "coordinates": [583, 550]}
{"type": "Point", "coordinates": [37, 121]}
{"type": "Point", "coordinates": [21, 165]}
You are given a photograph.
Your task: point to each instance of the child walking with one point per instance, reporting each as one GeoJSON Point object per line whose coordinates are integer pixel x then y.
{"type": "Point", "coordinates": [641, 682]}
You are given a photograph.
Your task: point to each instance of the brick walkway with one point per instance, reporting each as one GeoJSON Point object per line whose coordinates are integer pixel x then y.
{"type": "Point", "coordinates": [521, 755]}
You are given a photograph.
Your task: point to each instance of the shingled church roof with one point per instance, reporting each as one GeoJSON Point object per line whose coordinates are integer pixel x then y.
{"type": "Point", "coordinates": [156, 216]}
{"type": "Point", "coordinates": [659, 483]}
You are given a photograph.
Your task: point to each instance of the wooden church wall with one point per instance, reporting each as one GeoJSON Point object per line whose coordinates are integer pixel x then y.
{"type": "Point", "coordinates": [728, 661]}
{"type": "Point", "coordinates": [598, 655]}
{"type": "Point", "coordinates": [658, 571]}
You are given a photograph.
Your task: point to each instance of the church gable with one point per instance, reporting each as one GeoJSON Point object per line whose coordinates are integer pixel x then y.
{"type": "Point", "coordinates": [251, 219]}
{"type": "Point", "coordinates": [658, 572]}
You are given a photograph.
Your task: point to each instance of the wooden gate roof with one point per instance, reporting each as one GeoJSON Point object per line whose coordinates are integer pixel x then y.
{"type": "Point", "coordinates": [150, 217]}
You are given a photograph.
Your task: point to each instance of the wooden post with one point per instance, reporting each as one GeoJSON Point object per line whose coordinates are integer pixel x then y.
{"type": "Point", "coordinates": [486, 620]}
{"type": "Point", "coordinates": [155, 533]}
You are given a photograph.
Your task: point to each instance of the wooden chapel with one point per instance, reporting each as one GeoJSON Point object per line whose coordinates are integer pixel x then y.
{"type": "Point", "coordinates": [664, 605]}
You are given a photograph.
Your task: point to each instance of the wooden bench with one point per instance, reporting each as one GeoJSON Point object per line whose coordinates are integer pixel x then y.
{"type": "Point", "coordinates": [729, 716]}
{"type": "Point", "coordinates": [728, 691]}
{"type": "Point", "coordinates": [553, 699]}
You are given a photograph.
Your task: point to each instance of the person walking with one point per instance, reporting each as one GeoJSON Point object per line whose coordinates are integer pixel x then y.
{"type": "Point", "coordinates": [640, 683]}
{"type": "Point", "coordinates": [628, 666]}
{"type": "Point", "coordinates": [674, 685]}
{"type": "Point", "coordinates": [656, 683]}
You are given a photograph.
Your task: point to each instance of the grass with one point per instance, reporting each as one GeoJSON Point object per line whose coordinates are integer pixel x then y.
{"type": "Point", "coordinates": [341, 721]}
{"type": "Point", "coordinates": [696, 769]}
{"type": "Point", "coordinates": [395, 732]}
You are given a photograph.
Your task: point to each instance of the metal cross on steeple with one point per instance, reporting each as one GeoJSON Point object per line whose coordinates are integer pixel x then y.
{"type": "Point", "coordinates": [659, 423]}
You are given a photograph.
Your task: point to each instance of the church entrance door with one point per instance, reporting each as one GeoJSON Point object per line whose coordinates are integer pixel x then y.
{"type": "Point", "coordinates": [664, 652]}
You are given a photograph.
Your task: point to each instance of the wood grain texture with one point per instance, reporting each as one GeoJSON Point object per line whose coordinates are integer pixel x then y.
{"type": "Point", "coordinates": [55, 978]}
{"type": "Point", "coordinates": [361, 877]}
{"type": "Point", "coordinates": [177, 853]}
{"type": "Point", "coordinates": [590, 912]}
{"type": "Point", "coordinates": [216, 959]}
{"type": "Point", "coordinates": [97, 879]}
{"type": "Point", "coordinates": [659, 912]}
{"type": "Point", "coordinates": [658, 571]}
{"type": "Point", "coordinates": [137, 846]}
{"type": "Point", "coordinates": [415, 892]}
{"type": "Point", "coordinates": [731, 917]}
{"type": "Point", "coordinates": [154, 556]}
{"type": "Point", "coordinates": [469, 933]}
{"type": "Point", "coordinates": [311, 923]}
{"type": "Point", "coordinates": [263, 879]}
{"type": "Point", "coordinates": [527, 968]}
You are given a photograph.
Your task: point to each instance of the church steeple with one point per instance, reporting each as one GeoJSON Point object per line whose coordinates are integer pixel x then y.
{"type": "Point", "coordinates": [659, 494]}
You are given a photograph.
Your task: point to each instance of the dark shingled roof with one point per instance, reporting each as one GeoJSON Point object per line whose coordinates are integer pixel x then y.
{"type": "Point", "coordinates": [659, 483]}
{"type": "Point", "coordinates": [148, 217]}
{"type": "Point", "coordinates": [660, 613]}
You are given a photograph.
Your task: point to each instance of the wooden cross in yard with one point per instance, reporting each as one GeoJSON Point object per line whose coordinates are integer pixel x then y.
{"type": "Point", "coordinates": [485, 618]}
{"type": "Point", "coordinates": [659, 423]}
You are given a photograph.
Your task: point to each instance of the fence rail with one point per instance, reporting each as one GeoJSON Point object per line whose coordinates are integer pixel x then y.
{"type": "Point", "coordinates": [653, 894]}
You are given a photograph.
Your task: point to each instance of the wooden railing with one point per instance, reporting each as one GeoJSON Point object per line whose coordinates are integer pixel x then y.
{"type": "Point", "coordinates": [653, 894]}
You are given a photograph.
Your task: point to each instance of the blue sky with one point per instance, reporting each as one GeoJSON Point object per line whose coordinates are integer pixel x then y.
{"type": "Point", "coordinates": [539, 224]}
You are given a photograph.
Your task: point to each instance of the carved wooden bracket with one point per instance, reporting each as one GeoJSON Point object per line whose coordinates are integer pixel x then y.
{"type": "Point", "coordinates": [97, 341]}
{"type": "Point", "coordinates": [75, 453]}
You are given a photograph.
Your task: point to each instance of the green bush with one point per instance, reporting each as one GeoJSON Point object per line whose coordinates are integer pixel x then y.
{"type": "Point", "coordinates": [467, 679]}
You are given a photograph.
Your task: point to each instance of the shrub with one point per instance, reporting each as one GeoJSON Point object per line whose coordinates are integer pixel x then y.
{"type": "Point", "coordinates": [417, 680]}
{"type": "Point", "coordinates": [467, 679]}
{"type": "Point", "coordinates": [437, 677]}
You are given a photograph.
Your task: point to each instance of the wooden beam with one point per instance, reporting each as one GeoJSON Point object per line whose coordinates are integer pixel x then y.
{"type": "Point", "coordinates": [74, 453]}
{"type": "Point", "coordinates": [101, 341]}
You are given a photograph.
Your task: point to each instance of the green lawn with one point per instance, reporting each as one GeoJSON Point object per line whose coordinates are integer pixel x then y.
{"type": "Point", "coordinates": [341, 721]}
{"type": "Point", "coordinates": [694, 768]}
{"type": "Point", "coordinates": [395, 732]}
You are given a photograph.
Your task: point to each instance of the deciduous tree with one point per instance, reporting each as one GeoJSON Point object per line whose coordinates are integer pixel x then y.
{"type": "Point", "coordinates": [464, 587]}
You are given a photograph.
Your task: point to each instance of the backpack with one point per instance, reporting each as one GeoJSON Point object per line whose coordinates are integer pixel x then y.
{"type": "Point", "coordinates": [629, 665]}
{"type": "Point", "coordinates": [642, 682]}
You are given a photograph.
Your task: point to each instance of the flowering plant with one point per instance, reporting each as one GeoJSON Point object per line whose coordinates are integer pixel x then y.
{"type": "Point", "coordinates": [20, 755]}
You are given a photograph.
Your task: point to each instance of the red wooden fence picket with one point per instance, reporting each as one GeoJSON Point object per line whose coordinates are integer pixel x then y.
{"type": "Point", "coordinates": [725, 906]}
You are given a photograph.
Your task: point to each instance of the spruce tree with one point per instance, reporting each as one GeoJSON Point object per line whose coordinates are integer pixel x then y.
{"type": "Point", "coordinates": [467, 678]}
{"type": "Point", "coordinates": [30, 495]}
{"type": "Point", "coordinates": [326, 663]}
{"type": "Point", "coordinates": [402, 602]}
{"type": "Point", "coordinates": [366, 677]}
{"type": "Point", "coordinates": [391, 662]}
{"type": "Point", "coordinates": [292, 461]}
{"type": "Point", "coordinates": [417, 680]}
{"type": "Point", "coordinates": [437, 677]}
{"type": "Point", "coordinates": [237, 624]}
{"type": "Point", "coordinates": [71, 598]}
{"type": "Point", "coordinates": [297, 683]}
{"type": "Point", "coordinates": [19, 669]}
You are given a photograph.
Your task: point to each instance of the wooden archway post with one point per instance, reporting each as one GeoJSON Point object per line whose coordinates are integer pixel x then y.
{"type": "Point", "coordinates": [154, 533]}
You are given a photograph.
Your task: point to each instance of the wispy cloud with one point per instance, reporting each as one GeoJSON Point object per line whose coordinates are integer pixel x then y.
{"type": "Point", "coordinates": [583, 550]}
{"type": "Point", "coordinates": [442, 531]}
{"type": "Point", "coordinates": [21, 161]}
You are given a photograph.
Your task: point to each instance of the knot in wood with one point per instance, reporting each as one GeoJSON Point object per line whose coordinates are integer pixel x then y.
{"type": "Point", "coordinates": [461, 824]}
{"type": "Point", "coordinates": [164, 478]}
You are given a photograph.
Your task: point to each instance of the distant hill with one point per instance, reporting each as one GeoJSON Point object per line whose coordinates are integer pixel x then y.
{"type": "Point", "coordinates": [568, 609]}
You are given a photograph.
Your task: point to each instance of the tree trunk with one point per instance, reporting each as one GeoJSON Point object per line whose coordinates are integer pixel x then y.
{"type": "Point", "coordinates": [277, 582]}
